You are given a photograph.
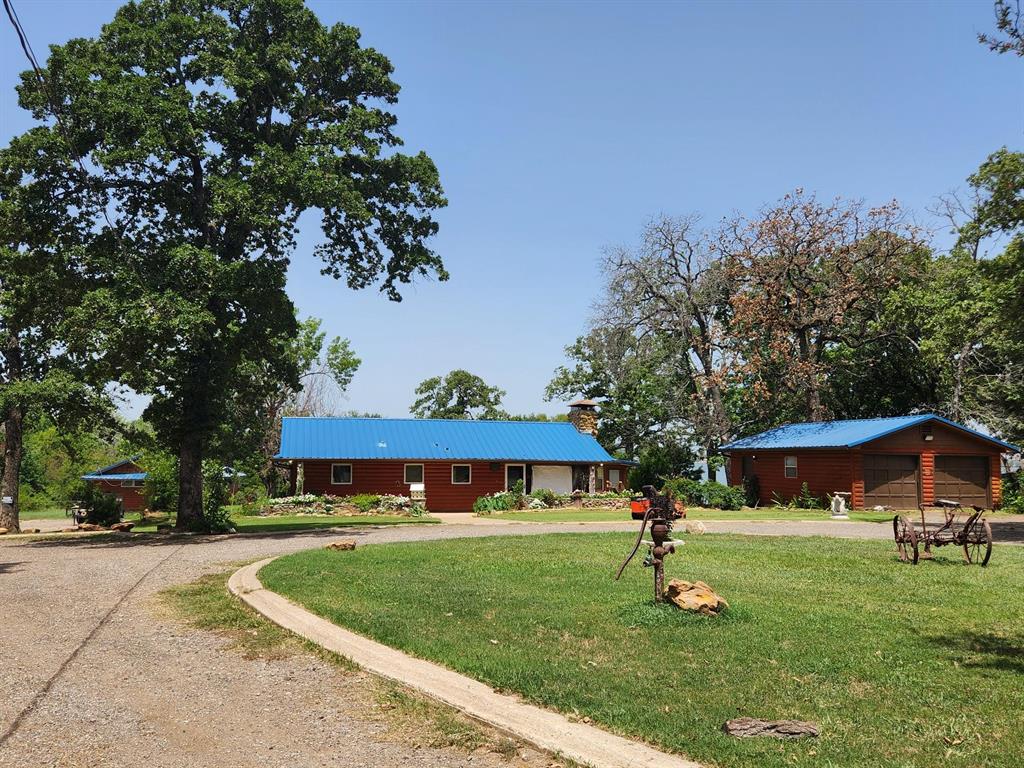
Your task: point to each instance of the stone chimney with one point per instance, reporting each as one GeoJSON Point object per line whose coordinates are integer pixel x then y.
{"type": "Point", "coordinates": [583, 416]}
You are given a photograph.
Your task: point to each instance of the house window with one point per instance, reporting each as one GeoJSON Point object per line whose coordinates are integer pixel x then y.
{"type": "Point", "coordinates": [132, 483]}
{"type": "Point", "coordinates": [462, 474]}
{"type": "Point", "coordinates": [413, 473]}
{"type": "Point", "coordinates": [341, 474]}
{"type": "Point", "coordinates": [791, 466]}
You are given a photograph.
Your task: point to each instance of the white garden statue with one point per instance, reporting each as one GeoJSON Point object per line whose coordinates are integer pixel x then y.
{"type": "Point", "coordinates": [839, 505]}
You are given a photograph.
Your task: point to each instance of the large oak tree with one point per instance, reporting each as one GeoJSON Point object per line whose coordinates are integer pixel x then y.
{"type": "Point", "coordinates": [210, 126]}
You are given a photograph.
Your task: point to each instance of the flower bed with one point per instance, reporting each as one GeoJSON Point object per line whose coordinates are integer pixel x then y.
{"type": "Point", "coordinates": [542, 498]}
{"type": "Point", "coordinates": [311, 504]}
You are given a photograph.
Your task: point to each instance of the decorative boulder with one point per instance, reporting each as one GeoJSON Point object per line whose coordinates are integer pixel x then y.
{"type": "Point", "coordinates": [695, 596]}
{"type": "Point", "coordinates": [748, 727]}
{"type": "Point", "coordinates": [122, 527]}
{"type": "Point", "coordinates": [90, 527]}
{"type": "Point", "coordinates": [696, 527]}
{"type": "Point", "coordinates": [341, 546]}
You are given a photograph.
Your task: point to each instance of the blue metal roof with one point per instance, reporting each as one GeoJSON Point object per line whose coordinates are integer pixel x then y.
{"type": "Point", "coordinates": [845, 434]}
{"type": "Point", "coordinates": [344, 438]}
{"type": "Point", "coordinates": [116, 476]}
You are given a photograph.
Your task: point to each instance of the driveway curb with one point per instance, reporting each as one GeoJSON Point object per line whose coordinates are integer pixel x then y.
{"type": "Point", "coordinates": [542, 728]}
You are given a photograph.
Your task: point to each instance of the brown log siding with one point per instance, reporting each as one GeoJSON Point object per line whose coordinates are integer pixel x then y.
{"type": "Point", "coordinates": [833, 470]}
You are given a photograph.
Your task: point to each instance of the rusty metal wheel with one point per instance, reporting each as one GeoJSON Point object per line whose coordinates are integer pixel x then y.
{"type": "Point", "coordinates": [906, 539]}
{"type": "Point", "coordinates": [978, 543]}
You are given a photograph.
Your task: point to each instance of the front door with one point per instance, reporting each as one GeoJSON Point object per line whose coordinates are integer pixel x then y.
{"type": "Point", "coordinates": [748, 467]}
{"type": "Point", "coordinates": [513, 474]}
{"type": "Point", "coordinates": [581, 478]}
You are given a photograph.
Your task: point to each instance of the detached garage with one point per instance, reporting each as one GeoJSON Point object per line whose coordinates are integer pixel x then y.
{"type": "Point", "coordinates": [897, 462]}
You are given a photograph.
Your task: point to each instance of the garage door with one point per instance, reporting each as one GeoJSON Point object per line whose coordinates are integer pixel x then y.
{"type": "Point", "coordinates": [962, 478]}
{"type": "Point", "coordinates": [890, 481]}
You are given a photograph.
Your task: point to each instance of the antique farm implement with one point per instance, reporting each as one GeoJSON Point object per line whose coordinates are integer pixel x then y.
{"type": "Point", "coordinates": [973, 534]}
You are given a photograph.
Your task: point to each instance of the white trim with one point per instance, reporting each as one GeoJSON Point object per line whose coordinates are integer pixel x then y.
{"type": "Point", "coordinates": [405, 476]}
{"type": "Point", "coordinates": [467, 466]}
{"type": "Point", "coordinates": [786, 467]}
{"type": "Point", "coordinates": [349, 474]}
{"type": "Point", "coordinates": [506, 475]}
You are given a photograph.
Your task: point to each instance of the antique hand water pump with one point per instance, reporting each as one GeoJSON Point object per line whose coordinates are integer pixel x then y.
{"type": "Point", "coordinates": [661, 511]}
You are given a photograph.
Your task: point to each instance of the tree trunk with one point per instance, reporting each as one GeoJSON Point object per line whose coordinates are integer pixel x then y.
{"type": "Point", "coordinates": [13, 451]}
{"type": "Point", "coordinates": [808, 351]}
{"type": "Point", "coordinates": [190, 484]}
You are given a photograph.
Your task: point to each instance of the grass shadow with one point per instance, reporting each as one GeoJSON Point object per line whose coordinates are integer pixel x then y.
{"type": "Point", "coordinates": [989, 650]}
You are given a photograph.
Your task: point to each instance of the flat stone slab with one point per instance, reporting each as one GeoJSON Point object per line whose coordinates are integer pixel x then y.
{"type": "Point", "coordinates": [748, 727]}
{"type": "Point", "coordinates": [542, 728]}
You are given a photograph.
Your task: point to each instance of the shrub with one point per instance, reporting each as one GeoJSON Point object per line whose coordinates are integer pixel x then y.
{"type": "Point", "coordinates": [518, 494]}
{"type": "Point", "coordinates": [546, 497]}
{"type": "Point", "coordinates": [502, 501]}
{"type": "Point", "coordinates": [719, 496]}
{"type": "Point", "coordinates": [707, 494]}
{"type": "Point", "coordinates": [1013, 492]}
{"type": "Point", "coordinates": [685, 489]}
{"type": "Point", "coordinates": [364, 502]}
{"type": "Point", "coordinates": [100, 508]}
{"type": "Point", "coordinates": [807, 500]}
{"type": "Point", "coordinates": [216, 517]}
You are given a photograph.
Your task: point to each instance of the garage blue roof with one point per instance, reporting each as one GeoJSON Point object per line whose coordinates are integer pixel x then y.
{"type": "Point", "coordinates": [345, 438]}
{"type": "Point", "coordinates": [845, 434]}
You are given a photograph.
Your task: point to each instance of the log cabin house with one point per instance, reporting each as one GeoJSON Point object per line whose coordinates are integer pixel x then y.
{"type": "Point", "coordinates": [456, 461]}
{"type": "Point", "coordinates": [897, 462]}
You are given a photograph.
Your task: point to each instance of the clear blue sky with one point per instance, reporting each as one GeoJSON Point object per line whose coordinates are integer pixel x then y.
{"type": "Point", "coordinates": [560, 128]}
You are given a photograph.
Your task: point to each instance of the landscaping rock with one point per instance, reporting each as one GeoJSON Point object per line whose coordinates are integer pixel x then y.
{"type": "Point", "coordinates": [696, 527]}
{"type": "Point", "coordinates": [343, 546]}
{"type": "Point", "coordinates": [123, 527]}
{"type": "Point", "coordinates": [695, 596]}
{"type": "Point", "coordinates": [3, 531]}
{"type": "Point", "coordinates": [748, 727]}
{"type": "Point", "coordinates": [90, 527]}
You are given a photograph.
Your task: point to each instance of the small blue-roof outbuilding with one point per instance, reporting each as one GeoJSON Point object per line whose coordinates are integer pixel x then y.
{"type": "Point", "coordinates": [847, 433]}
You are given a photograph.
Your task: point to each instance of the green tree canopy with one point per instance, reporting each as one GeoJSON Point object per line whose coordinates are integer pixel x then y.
{"type": "Point", "coordinates": [457, 395]}
{"type": "Point", "coordinates": [208, 127]}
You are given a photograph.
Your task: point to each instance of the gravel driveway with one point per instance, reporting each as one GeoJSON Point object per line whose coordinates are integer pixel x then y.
{"type": "Point", "coordinates": [94, 675]}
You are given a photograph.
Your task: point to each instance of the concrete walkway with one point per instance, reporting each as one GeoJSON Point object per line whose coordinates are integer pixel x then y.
{"type": "Point", "coordinates": [544, 729]}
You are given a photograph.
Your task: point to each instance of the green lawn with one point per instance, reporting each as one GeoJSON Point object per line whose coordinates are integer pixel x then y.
{"type": "Point", "coordinates": [46, 513]}
{"type": "Point", "coordinates": [572, 515]}
{"type": "Point", "coordinates": [900, 665]}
